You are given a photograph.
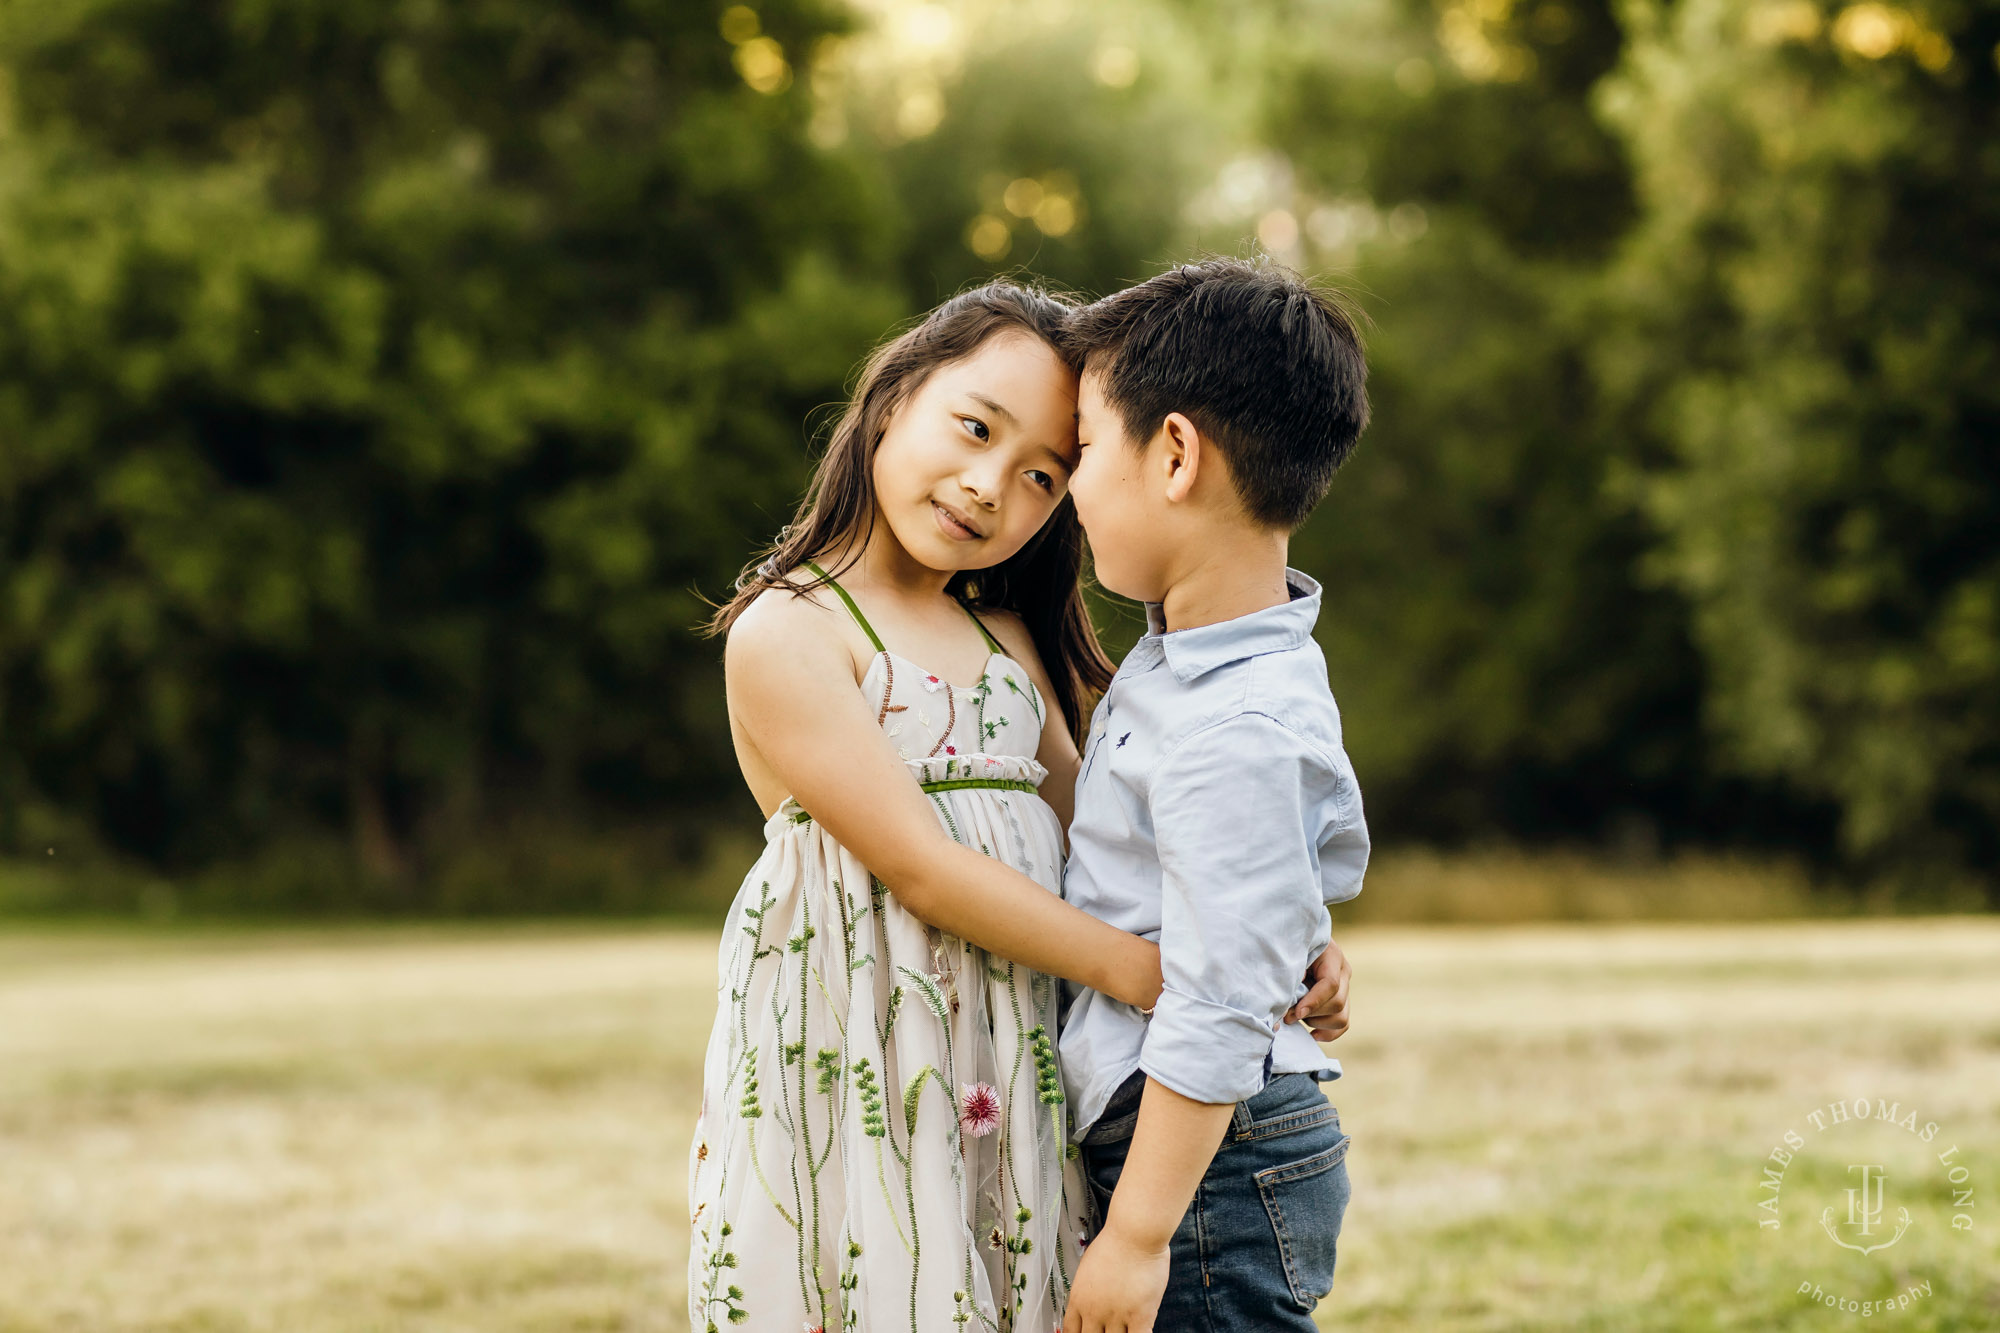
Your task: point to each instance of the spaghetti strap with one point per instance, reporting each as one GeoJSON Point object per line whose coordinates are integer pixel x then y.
{"type": "Point", "coordinates": [984, 632]}
{"type": "Point", "coordinates": [854, 610]}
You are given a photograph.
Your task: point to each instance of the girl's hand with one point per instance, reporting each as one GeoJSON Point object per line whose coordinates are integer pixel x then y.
{"type": "Point", "coordinates": [1118, 1286]}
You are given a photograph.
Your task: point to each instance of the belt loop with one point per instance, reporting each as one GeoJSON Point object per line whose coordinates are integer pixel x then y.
{"type": "Point", "coordinates": [1239, 1119]}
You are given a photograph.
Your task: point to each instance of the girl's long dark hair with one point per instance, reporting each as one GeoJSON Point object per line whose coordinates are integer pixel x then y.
{"type": "Point", "coordinates": [1039, 583]}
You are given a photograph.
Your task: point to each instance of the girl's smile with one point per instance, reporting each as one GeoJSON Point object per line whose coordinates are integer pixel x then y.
{"type": "Point", "coordinates": [954, 524]}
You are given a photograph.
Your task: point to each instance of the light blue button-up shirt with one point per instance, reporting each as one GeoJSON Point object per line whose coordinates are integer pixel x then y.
{"type": "Point", "coordinates": [1217, 813]}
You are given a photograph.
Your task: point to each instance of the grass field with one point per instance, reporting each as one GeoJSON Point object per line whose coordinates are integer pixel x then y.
{"type": "Point", "coordinates": [433, 1129]}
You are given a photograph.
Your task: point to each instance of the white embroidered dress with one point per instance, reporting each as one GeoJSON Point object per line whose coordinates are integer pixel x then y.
{"type": "Point", "coordinates": [881, 1144]}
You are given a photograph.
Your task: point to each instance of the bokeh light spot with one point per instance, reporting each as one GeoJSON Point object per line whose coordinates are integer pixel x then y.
{"type": "Point", "coordinates": [1055, 215]}
{"type": "Point", "coordinates": [1791, 21]}
{"type": "Point", "coordinates": [739, 24]}
{"type": "Point", "coordinates": [920, 111]}
{"type": "Point", "coordinates": [924, 28]}
{"type": "Point", "coordinates": [1116, 67]}
{"type": "Point", "coordinates": [1278, 230]}
{"type": "Point", "coordinates": [1023, 196]}
{"type": "Point", "coordinates": [1415, 76]}
{"type": "Point", "coordinates": [989, 237]}
{"type": "Point", "coordinates": [761, 62]}
{"type": "Point", "coordinates": [1869, 31]}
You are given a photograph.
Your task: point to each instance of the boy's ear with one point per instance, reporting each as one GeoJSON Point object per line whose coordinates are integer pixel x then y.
{"type": "Point", "coordinates": [1179, 451]}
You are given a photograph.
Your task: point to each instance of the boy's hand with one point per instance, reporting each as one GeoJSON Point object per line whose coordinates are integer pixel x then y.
{"type": "Point", "coordinates": [1324, 1007]}
{"type": "Point", "coordinates": [1118, 1286]}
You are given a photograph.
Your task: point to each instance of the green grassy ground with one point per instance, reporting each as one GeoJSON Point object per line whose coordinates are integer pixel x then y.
{"type": "Point", "coordinates": [1554, 1127]}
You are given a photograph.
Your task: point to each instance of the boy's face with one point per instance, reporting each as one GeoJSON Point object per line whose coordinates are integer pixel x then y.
{"type": "Point", "coordinates": [1120, 500]}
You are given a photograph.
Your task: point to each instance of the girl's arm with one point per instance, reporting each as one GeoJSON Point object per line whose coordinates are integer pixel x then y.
{"type": "Point", "coordinates": [791, 689]}
{"type": "Point", "coordinates": [1057, 751]}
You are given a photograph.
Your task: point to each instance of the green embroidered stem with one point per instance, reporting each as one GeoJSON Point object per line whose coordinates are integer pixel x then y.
{"type": "Point", "coordinates": [731, 1300]}
{"type": "Point", "coordinates": [849, 1280]}
{"type": "Point", "coordinates": [769, 1193]}
{"type": "Point", "coordinates": [798, 944]}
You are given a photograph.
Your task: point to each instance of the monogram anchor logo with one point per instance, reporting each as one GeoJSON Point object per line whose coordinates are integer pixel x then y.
{"type": "Point", "coordinates": [1864, 1213]}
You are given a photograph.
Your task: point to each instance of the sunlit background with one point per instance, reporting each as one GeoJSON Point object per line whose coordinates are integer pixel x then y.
{"type": "Point", "coordinates": [385, 385]}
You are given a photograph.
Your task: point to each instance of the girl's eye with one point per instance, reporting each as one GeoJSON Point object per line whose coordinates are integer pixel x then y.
{"type": "Point", "coordinates": [1042, 479]}
{"type": "Point", "coordinates": [976, 426]}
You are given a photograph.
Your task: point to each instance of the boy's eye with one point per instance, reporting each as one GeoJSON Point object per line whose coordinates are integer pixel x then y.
{"type": "Point", "coordinates": [976, 426]}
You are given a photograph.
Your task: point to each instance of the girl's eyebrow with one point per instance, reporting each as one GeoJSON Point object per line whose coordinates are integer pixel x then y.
{"type": "Point", "coordinates": [995, 408]}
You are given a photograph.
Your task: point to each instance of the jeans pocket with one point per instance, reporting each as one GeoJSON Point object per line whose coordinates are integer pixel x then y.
{"type": "Point", "coordinates": [1306, 1200]}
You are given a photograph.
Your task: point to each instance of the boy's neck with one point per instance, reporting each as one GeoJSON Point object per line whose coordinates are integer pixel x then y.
{"type": "Point", "coordinates": [1232, 578]}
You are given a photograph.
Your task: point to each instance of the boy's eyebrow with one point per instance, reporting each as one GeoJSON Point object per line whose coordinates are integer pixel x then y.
{"type": "Point", "coordinates": [994, 408]}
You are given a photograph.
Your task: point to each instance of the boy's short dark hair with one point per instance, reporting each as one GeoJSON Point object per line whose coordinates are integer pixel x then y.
{"type": "Point", "coordinates": [1262, 362]}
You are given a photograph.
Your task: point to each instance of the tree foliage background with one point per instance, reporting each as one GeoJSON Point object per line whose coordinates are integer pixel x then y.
{"type": "Point", "coordinates": [384, 383]}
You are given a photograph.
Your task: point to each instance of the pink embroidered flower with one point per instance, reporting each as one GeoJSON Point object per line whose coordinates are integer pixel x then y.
{"type": "Point", "coordinates": [933, 684]}
{"type": "Point", "coordinates": [979, 1113]}
{"type": "Point", "coordinates": [951, 749]}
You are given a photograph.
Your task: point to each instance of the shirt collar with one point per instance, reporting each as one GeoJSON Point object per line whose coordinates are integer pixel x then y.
{"type": "Point", "coordinates": [1195, 652]}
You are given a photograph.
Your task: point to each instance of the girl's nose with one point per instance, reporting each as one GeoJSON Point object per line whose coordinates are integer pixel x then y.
{"type": "Point", "coordinates": [983, 487]}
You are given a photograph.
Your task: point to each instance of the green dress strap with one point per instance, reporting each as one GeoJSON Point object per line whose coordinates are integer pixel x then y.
{"type": "Point", "coordinates": [852, 609]}
{"type": "Point", "coordinates": [984, 632]}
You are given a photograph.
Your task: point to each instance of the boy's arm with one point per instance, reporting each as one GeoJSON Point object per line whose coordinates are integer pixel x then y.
{"type": "Point", "coordinates": [1124, 1270]}
{"type": "Point", "coordinates": [1237, 812]}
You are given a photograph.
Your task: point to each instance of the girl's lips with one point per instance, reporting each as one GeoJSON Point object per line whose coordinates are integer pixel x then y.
{"type": "Point", "coordinates": [953, 526]}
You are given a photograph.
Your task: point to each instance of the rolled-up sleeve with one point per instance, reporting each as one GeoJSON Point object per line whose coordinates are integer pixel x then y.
{"type": "Point", "coordinates": [1237, 820]}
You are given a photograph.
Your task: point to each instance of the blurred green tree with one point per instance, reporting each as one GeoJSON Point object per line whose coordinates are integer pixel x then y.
{"type": "Point", "coordinates": [1807, 346]}
{"type": "Point", "coordinates": [1497, 667]}
{"type": "Point", "coordinates": [1063, 149]}
{"type": "Point", "coordinates": [377, 381]}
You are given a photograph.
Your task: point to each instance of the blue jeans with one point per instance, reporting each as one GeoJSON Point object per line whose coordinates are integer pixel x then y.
{"type": "Point", "coordinates": [1256, 1249]}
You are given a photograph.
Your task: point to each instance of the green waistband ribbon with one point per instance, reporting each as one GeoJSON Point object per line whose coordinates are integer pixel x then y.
{"type": "Point", "coordinates": [954, 784]}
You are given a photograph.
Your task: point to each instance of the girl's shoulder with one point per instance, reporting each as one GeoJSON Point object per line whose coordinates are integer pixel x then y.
{"type": "Point", "coordinates": [788, 623]}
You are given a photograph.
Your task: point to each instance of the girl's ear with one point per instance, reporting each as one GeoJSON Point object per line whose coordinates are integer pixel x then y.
{"type": "Point", "coordinates": [1178, 450]}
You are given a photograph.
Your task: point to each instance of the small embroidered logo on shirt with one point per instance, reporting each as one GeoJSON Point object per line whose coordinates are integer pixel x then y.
{"type": "Point", "coordinates": [1122, 739]}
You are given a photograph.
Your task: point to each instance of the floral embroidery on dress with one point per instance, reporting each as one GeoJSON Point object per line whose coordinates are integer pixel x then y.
{"type": "Point", "coordinates": [979, 1109]}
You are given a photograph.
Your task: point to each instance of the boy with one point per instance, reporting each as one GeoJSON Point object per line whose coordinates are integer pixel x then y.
{"type": "Point", "coordinates": [1216, 810]}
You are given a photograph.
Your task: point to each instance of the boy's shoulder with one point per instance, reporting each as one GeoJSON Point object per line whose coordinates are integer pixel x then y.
{"type": "Point", "coordinates": [1237, 701]}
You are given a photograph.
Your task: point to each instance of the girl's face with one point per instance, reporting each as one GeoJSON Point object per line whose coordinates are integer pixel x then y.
{"type": "Point", "coordinates": [972, 464]}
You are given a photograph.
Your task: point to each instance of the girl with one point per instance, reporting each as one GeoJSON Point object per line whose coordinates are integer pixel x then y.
{"type": "Point", "coordinates": [881, 1142]}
